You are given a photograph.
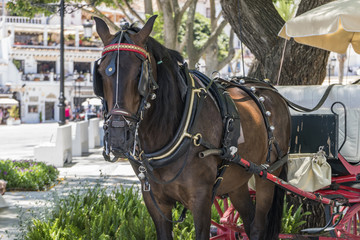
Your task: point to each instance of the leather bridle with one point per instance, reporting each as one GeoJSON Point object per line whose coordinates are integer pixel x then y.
{"type": "Point", "coordinates": [118, 117]}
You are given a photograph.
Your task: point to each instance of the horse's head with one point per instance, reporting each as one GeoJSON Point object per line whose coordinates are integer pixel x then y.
{"type": "Point", "coordinates": [125, 79]}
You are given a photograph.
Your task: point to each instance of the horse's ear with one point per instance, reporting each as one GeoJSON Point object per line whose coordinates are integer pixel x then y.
{"type": "Point", "coordinates": [103, 30]}
{"type": "Point", "coordinates": [144, 33]}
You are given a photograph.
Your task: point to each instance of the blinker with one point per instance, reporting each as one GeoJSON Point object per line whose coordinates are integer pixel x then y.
{"type": "Point", "coordinates": [143, 86]}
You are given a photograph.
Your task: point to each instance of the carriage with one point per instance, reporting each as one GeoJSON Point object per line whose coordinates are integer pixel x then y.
{"type": "Point", "coordinates": [198, 141]}
{"type": "Point", "coordinates": [334, 126]}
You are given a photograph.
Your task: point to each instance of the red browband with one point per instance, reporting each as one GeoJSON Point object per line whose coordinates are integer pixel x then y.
{"type": "Point", "coordinates": [125, 47]}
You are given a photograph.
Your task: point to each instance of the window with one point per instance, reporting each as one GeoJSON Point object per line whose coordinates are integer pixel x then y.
{"type": "Point", "coordinates": [33, 98]}
{"type": "Point", "coordinates": [33, 109]}
{"type": "Point", "coordinates": [208, 13]}
{"type": "Point", "coordinates": [22, 38]}
{"type": "Point", "coordinates": [46, 67]}
{"type": "Point", "coordinates": [82, 67]}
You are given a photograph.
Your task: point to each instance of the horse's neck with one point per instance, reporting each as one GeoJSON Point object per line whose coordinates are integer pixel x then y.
{"type": "Point", "coordinates": [162, 120]}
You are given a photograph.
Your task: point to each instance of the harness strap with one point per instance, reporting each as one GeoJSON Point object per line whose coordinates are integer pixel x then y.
{"type": "Point", "coordinates": [181, 218]}
{"type": "Point", "coordinates": [219, 178]}
{"type": "Point", "coordinates": [299, 108]}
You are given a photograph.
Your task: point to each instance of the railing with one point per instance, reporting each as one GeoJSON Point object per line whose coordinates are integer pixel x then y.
{"type": "Point", "coordinates": [51, 77]}
{"type": "Point", "coordinates": [12, 19]}
{"type": "Point", "coordinates": [57, 47]}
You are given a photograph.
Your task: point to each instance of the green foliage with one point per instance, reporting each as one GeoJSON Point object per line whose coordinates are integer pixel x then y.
{"type": "Point", "coordinates": [202, 31]}
{"type": "Point", "coordinates": [286, 8]}
{"type": "Point", "coordinates": [27, 175]}
{"type": "Point", "coordinates": [186, 229]}
{"type": "Point", "coordinates": [119, 213]}
{"type": "Point", "coordinates": [158, 29]}
{"type": "Point", "coordinates": [14, 112]}
{"type": "Point", "coordinates": [31, 8]}
{"type": "Point", "coordinates": [98, 214]}
{"type": "Point", "coordinates": [291, 221]}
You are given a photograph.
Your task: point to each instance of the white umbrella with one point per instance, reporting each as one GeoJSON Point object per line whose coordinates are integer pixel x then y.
{"type": "Point", "coordinates": [332, 26]}
{"type": "Point", "coordinates": [92, 101]}
{"type": "Point", "coordinates": [6, 102]}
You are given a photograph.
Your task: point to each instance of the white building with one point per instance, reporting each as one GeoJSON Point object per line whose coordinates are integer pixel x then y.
{"type": "Point", "coordinates": [30, 62]}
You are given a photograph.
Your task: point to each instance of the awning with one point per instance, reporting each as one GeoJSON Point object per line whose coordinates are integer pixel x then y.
{"type": "Point", "coordinates": [6, 102]}
{"type": "Point", "coordinates": [92, 101]}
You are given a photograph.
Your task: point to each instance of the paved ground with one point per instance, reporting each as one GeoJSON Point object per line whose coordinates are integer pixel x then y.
{"type": "Point", "coordinates": [17, 142]}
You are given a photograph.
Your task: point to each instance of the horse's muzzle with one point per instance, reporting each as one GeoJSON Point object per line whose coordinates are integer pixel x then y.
{"type": "Point", "coordinates": [120, 136]}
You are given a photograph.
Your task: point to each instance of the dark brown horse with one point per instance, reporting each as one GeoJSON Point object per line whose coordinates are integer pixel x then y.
{"type": "Point", "coordinates": [147, 98]}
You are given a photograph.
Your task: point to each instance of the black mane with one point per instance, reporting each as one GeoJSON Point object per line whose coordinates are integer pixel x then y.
{"type": "Point", "coordinates": [163, 118]}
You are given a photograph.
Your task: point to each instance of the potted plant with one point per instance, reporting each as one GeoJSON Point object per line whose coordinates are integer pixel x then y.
{"type": "Point", "coordinates": [14, 117]}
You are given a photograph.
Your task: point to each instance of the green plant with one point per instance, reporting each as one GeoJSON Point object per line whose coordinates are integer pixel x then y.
{"type": "Point", "coordinates": [14, 112]}
{"type": "Point", "coordinates": [70, 37]}
{"type": "Point", "coordinates": [40, 116]}
{"type": "Point", "coordinates": [27, 175]}
{"type": "Point", "coordinates": [100, 213]}
{"type": "Point", "coordinates": [96, 214]}
{"type": "Point", "coordinates": [291, 221]}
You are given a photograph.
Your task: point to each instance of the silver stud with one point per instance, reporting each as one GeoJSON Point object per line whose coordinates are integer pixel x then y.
{"type": "Point", "coordinates": [272, 128]}
{"type": "Point", "coordinates": [253, 89]}
{"type": "Point", "coordinates": [141, 176]}
{"type": "Point", "coordinates": [268, 113]}
{"type": "Point", "coordinates": [261, 99]}
{"type": "Point", "coordinates": [148, 105]}
{"type": "Point", "coordinates": [153, 96]}
{"type": "Point", "coordinates": [242, 81]}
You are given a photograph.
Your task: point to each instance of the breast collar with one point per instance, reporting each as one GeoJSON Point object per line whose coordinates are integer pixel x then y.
{"type": "Point", "coordinates": [185, 132]}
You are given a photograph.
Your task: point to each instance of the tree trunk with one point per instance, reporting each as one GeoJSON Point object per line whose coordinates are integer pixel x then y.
{"type": "Point", "coordinates": [258, 27]}
{"type": "Point", "coordinates": [148, 7]}
{"type": "Point", "coordinates": [211, 57]}
{"type": "Point", "coordinates": [170, 28]}
{"type": "Point", "coordinates": [193, 53]}
{"type": "Point", "coordinates": [341, 58]}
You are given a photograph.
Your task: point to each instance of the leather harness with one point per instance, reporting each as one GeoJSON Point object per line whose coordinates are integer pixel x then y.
{"type": "Point", "coordinates": [195, 95]}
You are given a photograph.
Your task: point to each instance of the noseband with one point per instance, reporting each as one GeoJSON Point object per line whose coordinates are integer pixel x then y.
{"type": "Point", "coordinates": [118, 118]}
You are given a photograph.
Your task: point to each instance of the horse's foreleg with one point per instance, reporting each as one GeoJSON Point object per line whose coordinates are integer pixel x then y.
{"type": "Point", "coordinates": [242, 202]}
{"type": "Point", "coordinates": [201, 210]}
{"type": "Point", "coordinates": [162, 225]}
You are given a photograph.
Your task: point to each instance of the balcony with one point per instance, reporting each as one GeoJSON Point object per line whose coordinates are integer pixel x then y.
{"type": "Point", "coordinates": [36, 20]}
{"type": "Point", "coordinates": [51, 77]}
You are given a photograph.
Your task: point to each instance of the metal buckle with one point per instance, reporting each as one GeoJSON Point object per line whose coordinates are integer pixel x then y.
{"type": "Point", "coordinates": [146, 186]}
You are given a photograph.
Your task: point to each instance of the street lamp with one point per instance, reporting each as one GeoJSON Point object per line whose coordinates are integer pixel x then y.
{"type": "Point", "coordinates": [331, 66]}
{"type": "Point", "coordinates": [62, 97]}
{"type": "Point", "coordinates": [87, 29]}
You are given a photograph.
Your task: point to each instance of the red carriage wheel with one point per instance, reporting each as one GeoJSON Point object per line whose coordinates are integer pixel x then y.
{"type": "Point", "coordinates": [349, 226]}
{"type": "Point", "coordinates": [226, 228]}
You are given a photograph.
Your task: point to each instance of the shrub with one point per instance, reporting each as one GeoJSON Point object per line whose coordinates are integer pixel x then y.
{"type": "Point", "coordinates": [27, 175]}
{"type": "Point", "coordinates": [292, 220]}
{"type": "Point", "coordinates": [119, 213]}
{"type": "Point", "coordinates": [98, 214]}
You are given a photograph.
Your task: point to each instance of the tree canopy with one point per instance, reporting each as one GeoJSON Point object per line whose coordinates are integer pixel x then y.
{"type": "Point", "coordinates": [256, 23]}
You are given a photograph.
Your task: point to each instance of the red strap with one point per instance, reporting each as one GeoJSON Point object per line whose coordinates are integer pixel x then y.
{"type": "Point", "coordinates": [125, 47]}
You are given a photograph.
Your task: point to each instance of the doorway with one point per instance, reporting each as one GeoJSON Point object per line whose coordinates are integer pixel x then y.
{"type": "Point", "coordinates": [49, 111]}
